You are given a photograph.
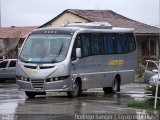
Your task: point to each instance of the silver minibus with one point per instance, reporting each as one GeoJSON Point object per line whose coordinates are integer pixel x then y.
{"type": "Point", "coordinates": [76, 57]}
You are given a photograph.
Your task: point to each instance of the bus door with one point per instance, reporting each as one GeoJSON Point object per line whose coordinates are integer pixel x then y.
{"type": "Point", "coordinates": [87, 65]}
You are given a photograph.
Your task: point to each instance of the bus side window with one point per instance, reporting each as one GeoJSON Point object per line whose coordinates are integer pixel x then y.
{"type": "Point", "coordinates": [77, 44]}
{"type": "Point", "coordinates": [131, 42]}
{"type": "Point", "coordinates": [122, 46]}
{"type": "Point", "coordinates": [101, 43]}
{"type": "Point", "coordinates": [94, 44]}
{"type": "Point", "coordinates": [108, 44]}
{"type": "Point", "coordinates": [96, 41]}
{"type": "Point", "coordinates": [85, 45]}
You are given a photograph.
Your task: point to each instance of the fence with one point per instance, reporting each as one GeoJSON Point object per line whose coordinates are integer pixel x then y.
{"type": "Point", "coordinates": [142, 63]}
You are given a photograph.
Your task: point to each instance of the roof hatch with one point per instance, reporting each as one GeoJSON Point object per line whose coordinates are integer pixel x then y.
{"type": "Point", "coordinates": [91, 25]}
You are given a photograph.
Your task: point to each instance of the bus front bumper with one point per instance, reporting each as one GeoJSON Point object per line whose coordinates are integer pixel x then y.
{"type": "Point", "coordinates": [56, 86]}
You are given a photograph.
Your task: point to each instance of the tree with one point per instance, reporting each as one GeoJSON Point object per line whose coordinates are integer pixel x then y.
{"type": "Point", "coordinates": [8, 45]}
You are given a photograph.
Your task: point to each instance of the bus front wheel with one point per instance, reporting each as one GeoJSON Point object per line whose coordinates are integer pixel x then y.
{"type": "Point", "coordinates": [76, 90]}
{"type": "Point", "coordinates": [30, 94]}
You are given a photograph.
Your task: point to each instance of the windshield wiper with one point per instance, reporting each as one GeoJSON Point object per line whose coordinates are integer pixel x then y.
{"type": "Point", "coordinates": [60, 50]}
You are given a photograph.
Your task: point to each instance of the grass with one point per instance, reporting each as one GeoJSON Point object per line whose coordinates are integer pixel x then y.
{"type": "Point", "coordinates": [140, 71]}
{"type": "Point", "coordinates": [145, 104]}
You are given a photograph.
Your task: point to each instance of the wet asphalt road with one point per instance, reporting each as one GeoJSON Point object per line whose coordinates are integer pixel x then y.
{"type": "Point", "coordinates": [16, 106]}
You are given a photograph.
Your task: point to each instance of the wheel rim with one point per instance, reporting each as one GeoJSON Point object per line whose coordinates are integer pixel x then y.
{"type": "Point", "coordinates": [115, 86]}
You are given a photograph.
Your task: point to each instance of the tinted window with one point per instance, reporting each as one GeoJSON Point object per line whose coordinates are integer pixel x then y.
{"type": "Point", "coordinates": [96, 44]}
{"type": "Point", "coordinates": [104, 43]}
{"type": "Point", "coordinates": [12, 63]}
{"type": "Point", "coordinates": [121, 43]}
{"type": "Point", "coordinates": [3, 64]}
{"type": "Point", "coordinates": [100, 43]}
{"type": "Point", "coordinates": [85, 45]}
{"type": "Point", "coordinates": [131, 41]}
{"type": "Point", "coordinates": [108, 43]}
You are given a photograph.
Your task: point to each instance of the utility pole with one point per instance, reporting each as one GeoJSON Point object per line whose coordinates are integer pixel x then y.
{"type": "Point", "coordinates": [157, 85]}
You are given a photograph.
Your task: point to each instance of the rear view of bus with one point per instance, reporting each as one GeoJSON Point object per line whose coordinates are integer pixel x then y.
{"type": "Point", "coordinates": [76, 57]}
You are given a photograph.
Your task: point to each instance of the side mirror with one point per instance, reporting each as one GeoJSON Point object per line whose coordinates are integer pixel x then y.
{"type": "Point", "coordinates": [78, 55]}
{"type": "Point", "coordinates": [78, 52]}
{"type": "Point", "coordinates": [155, 70]}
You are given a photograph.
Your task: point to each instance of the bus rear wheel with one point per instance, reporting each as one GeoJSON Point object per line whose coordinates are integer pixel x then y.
{"type": "Point", "coordinates": [76, 90]}
{"type": "Point", "coordinates": [2, 80]}
{"type": "Point", "coordinates": [30, 94]}
{"type": "Point", "coordinates": [115, 87]}
{"type": "Point", "coordinates": [107, 90]}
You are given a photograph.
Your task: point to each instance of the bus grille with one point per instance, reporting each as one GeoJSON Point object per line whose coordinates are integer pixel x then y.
{"type": "Point", "coordinates": [37, 84]}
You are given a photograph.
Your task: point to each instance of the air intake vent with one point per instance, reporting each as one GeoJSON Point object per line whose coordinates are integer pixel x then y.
{"type": "Point", "coordinates": [40, 67]}
{"type": "Point", "coordinates": [37, 84]}
{"type": "Point", "coordinates": [45, 67]}
{"type": "Point", "coordinates": [31, 67]}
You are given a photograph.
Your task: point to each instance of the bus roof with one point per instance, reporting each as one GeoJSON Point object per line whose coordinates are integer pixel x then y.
{"type": "Point", "coordinates": [98, 26]}
{"type": "Point", "coordinates": [73, 27]}
{"type": "Point", "coordinates": [54, 30]}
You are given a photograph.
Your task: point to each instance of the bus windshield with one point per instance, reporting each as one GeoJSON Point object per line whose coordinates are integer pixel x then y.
{"type": "Point", "coordinates": [45, 48]}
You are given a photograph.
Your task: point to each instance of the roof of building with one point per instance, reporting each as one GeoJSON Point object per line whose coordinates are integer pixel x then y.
{"type": "Point", "coordinates": [111, 17]}
{"type": "Point", "coordinates": [13, 31]}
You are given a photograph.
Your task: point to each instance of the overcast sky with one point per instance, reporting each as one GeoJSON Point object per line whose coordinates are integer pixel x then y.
{"type": "Point", "coordinates": [38, 12]}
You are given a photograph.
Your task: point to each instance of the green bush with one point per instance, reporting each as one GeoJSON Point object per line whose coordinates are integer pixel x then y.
{"type": "Point", "coordinates": [140, 70]}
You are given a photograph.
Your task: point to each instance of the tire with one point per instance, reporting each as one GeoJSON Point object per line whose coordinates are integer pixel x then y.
{"type": "Point", "coordinates": [115, 87]}
{"type": "Point", "coordinates": [30, 94]}
{"type": "Point", "coordinates": [76, 91]}
{"type": "Point", "coordinates": [2, 80]}
{"type": "Point", "coordinates": [107, 90]}
{"type": "Point", "coordinates": [41, 93]}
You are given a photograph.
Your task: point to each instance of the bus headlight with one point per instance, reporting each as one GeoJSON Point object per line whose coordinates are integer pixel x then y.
{"type": "Point", "coordinates": [57, 78]}
{"type": "Point", "coordinates": [22, 78]}
{"type": "Point", "coordinates": [18, 77]}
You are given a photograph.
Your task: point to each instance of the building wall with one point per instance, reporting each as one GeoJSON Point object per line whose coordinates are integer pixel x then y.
{"type": "Point", "coordinates": [64, 19]}
{"type": "Point", "coordinates": [148, 46]}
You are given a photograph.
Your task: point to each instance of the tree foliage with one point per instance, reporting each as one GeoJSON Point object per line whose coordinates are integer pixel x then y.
{"type": "Point", "coordinates": [8, 45]}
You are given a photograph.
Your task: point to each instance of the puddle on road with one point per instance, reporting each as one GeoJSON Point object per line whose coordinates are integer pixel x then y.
{"type": "Point", "coordinates": [54, 103]}
{"type": "Point", "coordinates": [8, 108]}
